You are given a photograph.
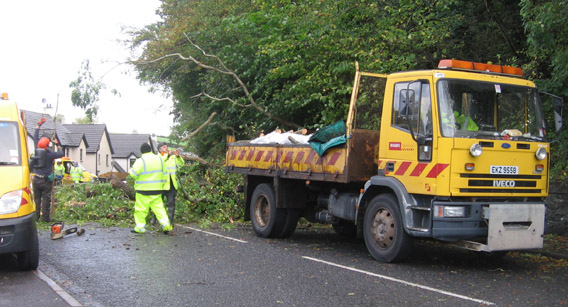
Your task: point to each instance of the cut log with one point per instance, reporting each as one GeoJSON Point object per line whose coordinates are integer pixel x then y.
{"type": "Point", "coordinates": [124, 187]}
{"type": "Point", "coordinates": [190, 157]}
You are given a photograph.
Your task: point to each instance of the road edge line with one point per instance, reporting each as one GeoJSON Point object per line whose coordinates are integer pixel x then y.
{"type": "Point", "coordinates": [62, 293]}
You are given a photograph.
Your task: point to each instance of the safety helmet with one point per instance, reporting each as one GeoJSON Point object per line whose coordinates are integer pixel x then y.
{"type": "Point", "coordinates": [43, 143]}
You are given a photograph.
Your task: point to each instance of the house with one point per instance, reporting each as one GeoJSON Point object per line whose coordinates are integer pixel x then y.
{"type": "Point", "coordinates": [89, 144]}
{"type": "Point", "coordinates": [127, 149]}
{"type": "Point", "coordinates": [72, 144]}
{"type": "Point", "coordinates": [98, 154]}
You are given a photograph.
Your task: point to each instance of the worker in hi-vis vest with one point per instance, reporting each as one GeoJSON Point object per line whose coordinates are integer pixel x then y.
{"type": "Point", "coordinates": [58, 169]}
{"type": "Point", "coordinates": [149, 179]}
{"type": "Point", "coordinates": [173, 162]}
{"type": "Point", "coordinates": [75, 172]}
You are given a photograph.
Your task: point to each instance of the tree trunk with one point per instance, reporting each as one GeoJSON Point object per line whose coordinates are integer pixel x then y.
{"type": "Point", "coordinates": [124, 187]}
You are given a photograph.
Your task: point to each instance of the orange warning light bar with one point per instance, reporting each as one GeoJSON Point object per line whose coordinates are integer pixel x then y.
{"type": "Point", "coordinates": [467, 65]}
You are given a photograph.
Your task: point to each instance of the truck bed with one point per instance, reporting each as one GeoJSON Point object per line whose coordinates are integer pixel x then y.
{"type": "Point", "coordinates": [355, 161]}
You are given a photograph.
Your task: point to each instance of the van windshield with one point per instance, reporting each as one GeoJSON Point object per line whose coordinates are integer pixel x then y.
{"type": "Point", "coordinates": [10, 151]}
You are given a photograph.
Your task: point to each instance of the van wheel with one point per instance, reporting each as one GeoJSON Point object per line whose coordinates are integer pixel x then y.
{"type": "Point", "coordinates": [383, 230]}
{"type": "Point", "coordinates": [263, 213]}
{"type": "Point", "coordinates": [29, 260]}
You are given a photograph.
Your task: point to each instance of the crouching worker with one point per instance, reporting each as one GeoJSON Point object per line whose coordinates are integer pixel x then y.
{"type": "Point", "coordinates": [149, 179]}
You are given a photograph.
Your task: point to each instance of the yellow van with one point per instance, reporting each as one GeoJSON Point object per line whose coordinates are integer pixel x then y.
{"type": "Point", "coordinates": [18, 232]}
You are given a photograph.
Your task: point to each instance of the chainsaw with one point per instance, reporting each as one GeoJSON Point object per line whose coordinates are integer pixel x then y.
{"type": "Point", "coordinates": [57, 231]}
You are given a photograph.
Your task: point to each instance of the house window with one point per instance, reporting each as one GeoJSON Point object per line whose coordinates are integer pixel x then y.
{"type": "Point", "coordinates": [81, 155]}
{"type": "Point", "coordinates": [132, 161]}
{"type": "Point", "coordinates": [99, 159]}
{"type": "Point", "coordinates": [107, 160]}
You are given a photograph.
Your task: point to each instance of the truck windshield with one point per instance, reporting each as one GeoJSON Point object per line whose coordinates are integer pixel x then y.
{"type": "Point", "coordinates": [10, 153]}
{"type": "Point", "coordinates": [489, 110]}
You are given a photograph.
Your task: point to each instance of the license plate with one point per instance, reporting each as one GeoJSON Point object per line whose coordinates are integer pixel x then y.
{"type": "Point", "coordinates": [504, 170]}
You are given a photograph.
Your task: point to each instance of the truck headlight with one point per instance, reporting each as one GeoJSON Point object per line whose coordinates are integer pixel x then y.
{"type": "Point", "coordinates": [541, 153]}
{"type": "Point", "coordinates": [10, 202]}
{"type": "Point", "coordinates": [449, 211]}
{"type": "Point", "coordinates": [475, 150]}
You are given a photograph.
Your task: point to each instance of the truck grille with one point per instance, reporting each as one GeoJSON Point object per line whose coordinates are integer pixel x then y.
{"type": "Point", "coordinates": [486, 183]}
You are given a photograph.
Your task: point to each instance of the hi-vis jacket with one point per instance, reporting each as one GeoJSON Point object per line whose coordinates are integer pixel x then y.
{"type": "Point", "coordinates": [172, 164]}
{"type": "Point", "coordinates": [149, 173]}
{"type": "Point", "coordinates": [76, 173]}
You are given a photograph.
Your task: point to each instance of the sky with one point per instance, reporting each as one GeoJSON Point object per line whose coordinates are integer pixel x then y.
{"type": "Point", "coordinates": [43, 44]}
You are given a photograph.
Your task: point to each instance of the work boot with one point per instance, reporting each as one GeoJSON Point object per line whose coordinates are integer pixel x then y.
{"type": "Point", "coordinates": [138, 230]}
{"type": "Point", "coordinates": [167, 229]}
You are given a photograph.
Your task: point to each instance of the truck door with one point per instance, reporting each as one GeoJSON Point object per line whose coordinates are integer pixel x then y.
{"type": "Point", "coordinates": [407, 141]}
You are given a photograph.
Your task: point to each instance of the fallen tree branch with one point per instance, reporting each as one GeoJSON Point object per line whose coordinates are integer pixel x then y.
{"type": "Point", "coordinates": [193, 158]}
{"type": "Point", "coordinates": [225, 71]}
{"type": "Point", "coordinates": [196, 131]}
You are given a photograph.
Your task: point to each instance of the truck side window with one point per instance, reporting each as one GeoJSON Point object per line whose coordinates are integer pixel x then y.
{"type": "Point", "coordinates": [412, 107]}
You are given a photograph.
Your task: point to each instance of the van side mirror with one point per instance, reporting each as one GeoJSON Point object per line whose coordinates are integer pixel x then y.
{"type": "Point", "coordinates": [39, 159]}
{"type": "Point", "coordinates": [557, 107]}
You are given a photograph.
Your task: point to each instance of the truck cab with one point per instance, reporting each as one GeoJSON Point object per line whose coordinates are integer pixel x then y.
{"type": "Point", "coordinates": [18, 232]}
{"type": "Point", "coordinates": [463, 152]}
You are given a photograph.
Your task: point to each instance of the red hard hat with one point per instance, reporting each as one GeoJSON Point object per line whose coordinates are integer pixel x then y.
{"type": "Point", "coordinates": [43, 142]}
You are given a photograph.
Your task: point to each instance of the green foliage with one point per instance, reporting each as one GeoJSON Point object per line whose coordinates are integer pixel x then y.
{"type": "Point", "coordinates": [212, 193]}
{"type": "Point", "coordinates": [106, 206]}
{"type": "Point", "coordinates": [297, 57]}
{"type": "Point", "coordinates": [85, 93]}
{"type": "Point", "coordinates": [546, 25]}
{"type": "Point", "coordinates": [211, 190]}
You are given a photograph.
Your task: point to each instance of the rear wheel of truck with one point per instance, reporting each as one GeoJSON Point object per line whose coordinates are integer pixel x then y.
{"type": "Point", "coordinates": [29, 260]}
{"type": "Point", "coordinates": [285, 227]}
{"type": "Point", "coordinates": [383, 231]}
{"type": "Point", "coordinates": [263, 213]}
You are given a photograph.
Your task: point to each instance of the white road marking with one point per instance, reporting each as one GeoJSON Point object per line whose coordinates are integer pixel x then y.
{"type": "Point", "coordinates": [401, 281]}
{"type": "Point", "coordinates": [213, 234]}
{"type": "Point", "coordinates": [62, 293]}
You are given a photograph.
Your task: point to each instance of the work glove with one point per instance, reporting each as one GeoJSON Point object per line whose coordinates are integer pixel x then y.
{"type": "Point", "coordinates": [41, 122]}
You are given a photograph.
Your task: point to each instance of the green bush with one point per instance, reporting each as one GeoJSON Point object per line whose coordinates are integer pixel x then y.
{"type": "Point", "coordinates": [208, 196]}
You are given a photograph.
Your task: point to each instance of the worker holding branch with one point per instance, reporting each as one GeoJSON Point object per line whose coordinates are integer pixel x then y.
{"type": "Point", "coordinates": [173, 162]}
{"type": "Point", "coordinates": [43, 177]}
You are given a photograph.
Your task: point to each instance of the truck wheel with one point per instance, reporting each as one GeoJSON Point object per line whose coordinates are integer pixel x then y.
{"type": "Point", "coordinates": [383, 231]}
{"type": "Point", "coordinates": [289, 223]}
{"type": "Point", "coordinates": [29, 260]}
{"type": "Point", "coordinates": [263, 213]}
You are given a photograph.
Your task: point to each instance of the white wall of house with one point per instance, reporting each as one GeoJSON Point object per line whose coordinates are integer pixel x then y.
{"type": "Point", "coordinates": [104, 156]}
{"type": "Point", "coordinates": [125, 163]}
{"type": "Point", "coordinates": [78, 154]}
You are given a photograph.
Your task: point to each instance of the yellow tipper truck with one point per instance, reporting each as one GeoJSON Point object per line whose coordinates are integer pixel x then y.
{"type": "Point", "coordinates": [18, 232]}
{"type": "Point", "coordinates": [457, 154]}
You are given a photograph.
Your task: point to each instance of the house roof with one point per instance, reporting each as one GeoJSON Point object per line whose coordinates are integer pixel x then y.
{"type": "Point", "coordinates": [93, 133]}
{"type": "Point", "coordinates": [129, 144]}
{"type": "Point", "coordinates": [47, 129]}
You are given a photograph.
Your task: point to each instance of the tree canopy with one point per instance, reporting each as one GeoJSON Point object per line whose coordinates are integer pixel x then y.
{"type": "Point", "coordinates": [296, 58]}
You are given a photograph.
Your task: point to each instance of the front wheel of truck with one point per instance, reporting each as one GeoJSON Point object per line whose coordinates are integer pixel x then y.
{"type": "Point", "coordinates": [29, 260]}
{"type": "Point", "coordinates": [263, 213]}
{"type": "Point", "coordinates": [383, 230]}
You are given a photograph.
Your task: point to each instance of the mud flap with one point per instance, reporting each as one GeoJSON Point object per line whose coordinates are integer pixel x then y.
{"type": "Point", "coordinates": [515, 227]}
